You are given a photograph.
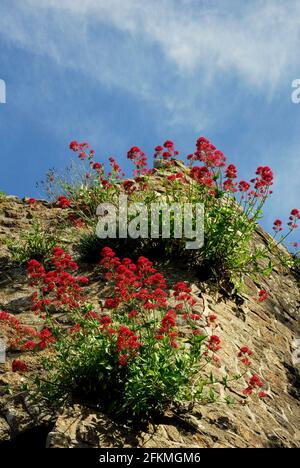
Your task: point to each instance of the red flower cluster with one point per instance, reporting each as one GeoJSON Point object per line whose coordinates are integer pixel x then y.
{"type": "Point", "coordinates": [166, 152]}
{"type": "Point", "coordinates": [82, 149]}
{"type": "Point", "coordinates": [243, 186]}
{"type": "Point", "coordinates": [168, 328]}
{"type": "Point", "coordinates": [263, 181]}
{"type": "Point", "coordinates": [202, 175]}
{"type": "Point", "coordinates": [75, 146]}
{"type": "Point", "coordinates": [57, 288]}
{"type": "Point", "coordinates": [294, 216]}
{"type": "Point", "coordinates": [231, 172]}
{"type": "Point", "coordinates": [212, 318]}
{"type": "Point", "coordinates": [262, 295]}
{"type": "Point", "coordinates": [138, 281]}
{"type": "Point", "coordinates": [129, 186]}
{"type": "Point", "coordinates": [139, 159]}
{"type": "Point", "coordinates": [32, 202]}
{"type": "Point", "coordinates": [177, 176]}
{"type": "Point", "coordinates": [97, 166]}
{"type": "Point", "coordinates": [208, 153]}
{"type": "Point", "coordinates": [253, 383]}
{"type": "Point", "coordinates": [214, 343]}
{"type": "Point", "coordinates": [114, 165]}
{"type": "Point", "coordinates": [127, 340]}
{"type": "Point", "coordinates": [19, 366]}
{"type": "Point", "coordinates": [19, 334]}
{"type": "Point", "coordinates": [218, 179]}
{"type": "Point", "coordinates": [182, 291]}
{"type": "Point", "coordinates": [244, 353]}
{"type": "Point", "coordinates": [63, 202]}
{"type": "Point", "coordinates": [277, 225]}
{"type": "Point", "coordinates": [142, 285]}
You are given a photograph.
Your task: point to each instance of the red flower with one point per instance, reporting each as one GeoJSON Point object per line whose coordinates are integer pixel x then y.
{"type": "Point", "coordinates": [295, 215]}
{"type": "Point", "coordinates": [29, 345]}
{"type": "Point", "coordinates": [106, 320]}
{"type": "Point", "coordinates": [31, 201]}
{"type": "Point", "coordinates": [245, 350]}
{"type": "Point", "coordinates": [74, 145]}
{"type": "Point", "coordinates": [262, 295]}
{"type": "Point", "coordinates": [231, 172]}
{"type": "Point", "coordinates": [243, 186]}
{"type": "Point", "coordinates": [123, 359]}
{"type": "Point", "coordinates": [168, 320]}
{"type": "Point", "coordinates": [277, 225]}
{"type": "Point", "coordinates": [229, 185]}
{"type": "Point", "coordinates": [212, 318]}
{"type": "Point", "coordinates": [46, 338]}
{"type": "Point", "coordinates": [195, 316]}
{"type": "Point", "coordinates": [181, 287]}
{"type": "Point", "coordinates": [255, 381]}
{"type": "Point", "coordinates": [83, 279]}
{"type": "Point", "coordinates": [129, 186]}
{"type": "Point", "coordinates": [248, 391]}
{"type": "Point", "coordinates": [264, 179]}
{"type": "Point", "coordinates": [169, 144]}
{"type": "Point", "coordinates": [159, 336]}
{"type": "Point", "coordinates": [214, 343]}
{"type": "Point", "coordinates": [246, 361]}
{"type": "Point", "coordinates": [19, 366]}
{"type": "Point", "coordinates": [107, 252]}
{"type": "Point", "coordinates": [110, 303]}
{"type": "Point", "coordinates": [56, 286]}
{"type": "Point", "coordinates": [202, 175]}
{"type": "Point", "coordinates": [295, 212]}
{"type": "Point", "coordinates": [63, 202]}
{"type": "Point", "coordinates": [158, 149]}
{"type": "Point", "coordinates": [127, 340]}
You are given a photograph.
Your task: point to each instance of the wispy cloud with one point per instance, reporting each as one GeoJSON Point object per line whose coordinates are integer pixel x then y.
{"type": "Point", "coordinates": [158, 43]}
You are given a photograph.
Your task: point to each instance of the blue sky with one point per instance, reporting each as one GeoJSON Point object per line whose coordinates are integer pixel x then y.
{"type": "Point", "coordinates": [119, 73]}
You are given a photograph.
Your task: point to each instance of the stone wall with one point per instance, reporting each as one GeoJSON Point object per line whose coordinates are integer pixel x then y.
{"type": "Point", "coordinates": [270, 329]}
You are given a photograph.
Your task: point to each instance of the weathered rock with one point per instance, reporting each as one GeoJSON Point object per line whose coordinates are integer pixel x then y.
{"type": "Point", "coordinates": [271, 329]}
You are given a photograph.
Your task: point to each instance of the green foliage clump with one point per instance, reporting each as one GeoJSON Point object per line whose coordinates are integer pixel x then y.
{"type": "Point", "coordinates": [36, 243]}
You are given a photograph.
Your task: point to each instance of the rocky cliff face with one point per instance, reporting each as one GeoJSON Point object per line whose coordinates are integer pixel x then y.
{"type": "Point", "coordinates": [270, 328]}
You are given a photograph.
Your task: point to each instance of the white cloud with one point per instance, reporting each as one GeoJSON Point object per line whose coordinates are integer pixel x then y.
{"type": "Point", "coordinates": [258, 41]}
{"type": "Point", "coordinates": [178, 56]}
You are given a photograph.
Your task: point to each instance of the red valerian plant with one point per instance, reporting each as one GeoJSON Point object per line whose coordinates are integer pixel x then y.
{"type": "Point", "coordinates": [58, 288]}
{"type": "Point", "coordinates": [147, 349]}
{"type": "Point", "coordinates": [150, 347]}
{"type": "Point", "coordinates": [233, 207]}
{"type": "Point", "coordinates": [22, 337]}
